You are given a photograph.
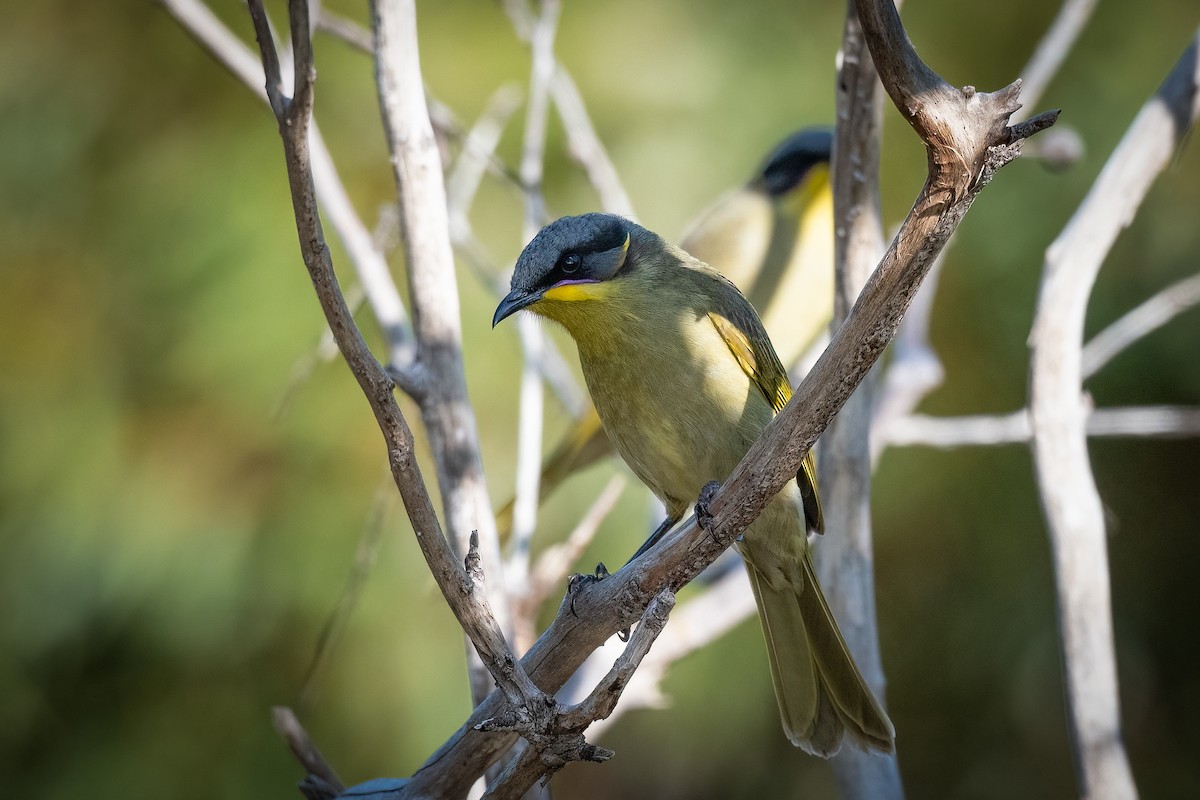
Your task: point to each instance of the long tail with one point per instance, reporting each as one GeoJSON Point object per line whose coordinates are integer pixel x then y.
{"type": "Point", "coordinates": [822, 697]}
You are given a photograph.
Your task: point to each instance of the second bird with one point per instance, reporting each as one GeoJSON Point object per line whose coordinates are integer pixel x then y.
{"type": "Point", "coordinates": [685, 379]}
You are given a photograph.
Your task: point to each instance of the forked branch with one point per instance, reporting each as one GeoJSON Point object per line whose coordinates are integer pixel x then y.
{"type": "Point", "coordinates": [968, 138]}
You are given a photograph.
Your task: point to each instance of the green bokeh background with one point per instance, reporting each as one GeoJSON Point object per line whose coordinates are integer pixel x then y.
{"type": "Point", "coordinates": [170, 548]}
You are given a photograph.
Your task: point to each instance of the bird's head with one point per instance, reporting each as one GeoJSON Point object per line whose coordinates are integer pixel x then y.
{"type": "Point", "coordinates": [795, 159]}
{"type": "Point", "coordinates": [571, 259]}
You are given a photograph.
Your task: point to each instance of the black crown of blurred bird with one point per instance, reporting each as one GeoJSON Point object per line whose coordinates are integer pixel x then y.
{"type": "Point", "coordinates": [684, 378]}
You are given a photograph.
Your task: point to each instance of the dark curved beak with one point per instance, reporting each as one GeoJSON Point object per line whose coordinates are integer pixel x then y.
{"type": "Point", "coordinates": [513, 302]}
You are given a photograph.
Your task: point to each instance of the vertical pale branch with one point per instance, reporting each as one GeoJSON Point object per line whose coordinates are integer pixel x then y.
{"type": "Point", "coordinates": [529, 441]}
{"type": "Point", "coordinates": [445, 408]}
{"type": "Point", "coordinates": [1074, 514]}
{"type": "Point", "coordinates": [845, 558]}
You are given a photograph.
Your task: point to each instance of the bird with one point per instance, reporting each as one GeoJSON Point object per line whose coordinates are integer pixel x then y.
{"type": "Point", "coordinates": [773, 237]}
{"type": "Point", "coordinates": [684, 379]}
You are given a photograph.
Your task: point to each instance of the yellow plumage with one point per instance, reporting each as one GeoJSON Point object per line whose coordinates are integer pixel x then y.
{"type": "Point", "coordinates": [684, 380]}
{"type": "Point", "coordinates": [775, 242]}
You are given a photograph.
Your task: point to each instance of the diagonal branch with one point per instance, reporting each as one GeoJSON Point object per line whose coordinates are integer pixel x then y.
{"type": "Point", "coordinates": [1070, 502]}
{"type": "Point", "coordinates": [365, 255]}
{"type": "Point", "coordinates": [968, 139]}
{"type": "Point", "coordinates": [915, 369]}
{"type": "Point", "coordinates": [463, 590]}
{"type": "Point", "coordinates": [559, 740]}
{"type": "Point", "coordinates": [1138, 323]}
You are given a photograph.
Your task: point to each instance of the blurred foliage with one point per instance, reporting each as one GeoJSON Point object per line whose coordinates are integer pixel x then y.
{"type": "Point", "coordinates": [169, 549]}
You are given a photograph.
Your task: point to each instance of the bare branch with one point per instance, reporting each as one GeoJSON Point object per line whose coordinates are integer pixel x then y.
{"type": "Point", "coordinates": [845, 560]}
{"type": "Point", "coordinates": [915, 369]}
{"type": "Point", "coordinates": [1052, 50]}
{"type": "Point", "coordinates": [1071, 504]}
{"type": "Point", "coordinates": [291, 731]}
{"type": "Point", "coordinates": [582, 141]}
{"type": "Point", "coordinates": [586, 148]}
{"type": "Point", "coordinates": [346, 29]}
{"type": "Point", "coordinates": [558, 740]}
{"type": "Point", "coordinates": [968, 139]}
{"type": "Point", "coordinates": [1138, 323]}
{"type": "Point", "coordinates": [530, 422]}
{"type": "Point", "coordinates": [445, 408]}
{"type": "Point", "coordinates": [365, 256]}
{"type": "Point", "coordinates": [1146, 422]}
{"type": "Point", "coordinates": [706, 617]}
{"type": "Point", "coordinates": [463, 593]}
{"type": "Point", "coordinates": [555, 561]}
{"type": "Point", "coordinates": [478, 148]}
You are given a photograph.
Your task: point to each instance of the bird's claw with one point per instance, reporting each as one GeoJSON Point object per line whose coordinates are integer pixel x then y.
{"type": "Point", "coordinates": [704, 515]}
{"type": "Point", "coordinates": [578, 580]}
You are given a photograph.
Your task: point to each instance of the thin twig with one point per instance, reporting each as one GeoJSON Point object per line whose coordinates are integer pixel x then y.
{"type": "Point", "coordinates": [291, 731]}
{"type": "Point", "coordinates": [560, 740]}
{"type": "Point", "coordinates": [584, 145]}
{"type": "Point", "coordinates": [368, 262]}
{"type": "Point", "coordinates": [530, 406]}
{"type": "Point", "coordinates": [1139, 323]}
{"type": "Point", "coordinates": [1070, 501]}
{"type": "Point", "coordinates": [706, 617]}
{"type": "Point", "coordinates": [1052, 50]}
{"type": "Point", "coordinates": [555, 561]}
{"type": "Point", "coordinates": [583, 142]}
{"type": "Point", "coordinates": [478, 148]}
{"type": "Point", "coordinates": [1147, 422]}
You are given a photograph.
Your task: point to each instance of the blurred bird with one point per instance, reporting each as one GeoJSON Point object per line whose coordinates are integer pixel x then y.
{"type": "Point", "coordinates": [684, 380]}
{"type": "Point", "coordinates": [773, 238]}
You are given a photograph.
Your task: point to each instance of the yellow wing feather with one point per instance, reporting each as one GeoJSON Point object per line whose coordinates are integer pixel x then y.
{"type": "Point", "coordinates": [744, 334]}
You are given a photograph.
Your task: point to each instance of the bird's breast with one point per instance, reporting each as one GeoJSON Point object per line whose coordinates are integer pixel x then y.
{"type": "Point", "coordinates": [674, 401]}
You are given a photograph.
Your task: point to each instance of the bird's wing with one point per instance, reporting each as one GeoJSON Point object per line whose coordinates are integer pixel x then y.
{"type": "Point", "coordinates": [743, 332]}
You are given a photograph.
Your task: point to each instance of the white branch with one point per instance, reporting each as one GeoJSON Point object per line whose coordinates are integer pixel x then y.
{"type": "Point", "coordinates": [1141, 321]}
{"type": "Point", "coordinates": [1074, 514]}
{"type": "Point", "coordinates": [1146, 422]}
{"type": "Point", "coordinates": [445, 407]}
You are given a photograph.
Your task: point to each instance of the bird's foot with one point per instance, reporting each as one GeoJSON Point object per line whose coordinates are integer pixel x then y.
{"type": "Point", "coordinates": [578, 580]}
{"type": "Point", "coordinates": [704, 515]}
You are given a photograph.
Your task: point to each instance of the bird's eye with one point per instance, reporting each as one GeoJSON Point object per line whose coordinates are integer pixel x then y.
{"type": "Point", "coordinates": [570, 262]}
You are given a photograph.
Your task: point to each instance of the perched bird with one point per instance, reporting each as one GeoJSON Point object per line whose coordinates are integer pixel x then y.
{"type": "Point", "coordinates": [684, 380]}
{"type": "Point", "coordinates": [772, 237]}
